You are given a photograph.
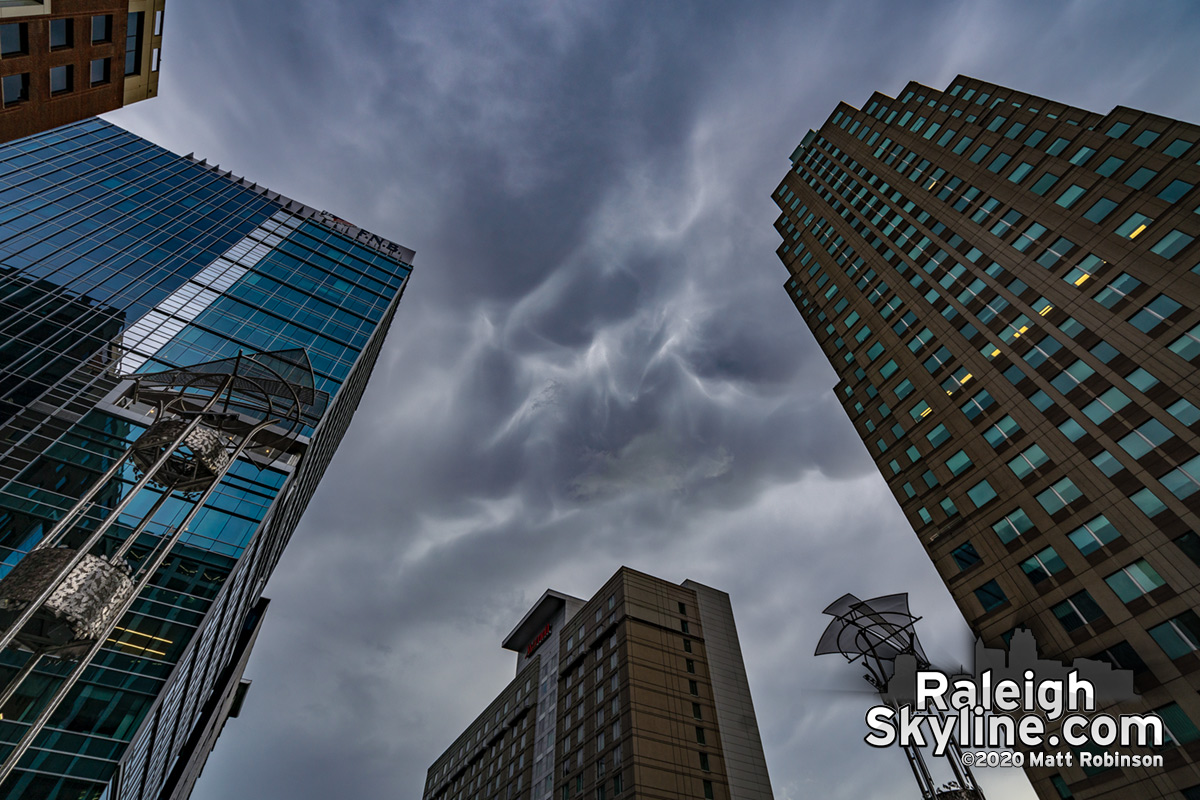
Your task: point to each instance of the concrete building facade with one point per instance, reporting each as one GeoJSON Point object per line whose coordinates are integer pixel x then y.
{"type": "Point", "coordinates": [1008, 289]}
{"type": "Point", "coordinates": [639, 691]}
{"type": "Point", "coordinates": [65, 60]}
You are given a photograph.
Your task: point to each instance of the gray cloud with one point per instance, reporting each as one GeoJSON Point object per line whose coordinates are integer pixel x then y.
{"type": "Point", "coordinates": [595, 363]}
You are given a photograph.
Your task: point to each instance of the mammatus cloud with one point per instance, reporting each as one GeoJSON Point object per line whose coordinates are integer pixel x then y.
{"type": "Point", "coordinates": [595, 363]}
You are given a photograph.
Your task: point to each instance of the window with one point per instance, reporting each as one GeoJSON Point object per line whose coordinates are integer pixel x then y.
{"type": "Point", "coordinates": [1082, 155]}
{"type": "Point", "coordinates": [1117, 290]}
{"type": "Point", "coordinates": [1077, 610]}
{"type": "Point", "coordinates": [965, 556]}
{"type": "Point", "coordinates": [1155, 312]}
{"type": "Point", "coordinates": [694, 688]}
{"type": "Point", "coordinates": [700, 735]}
{"type": "Point", "coordinates": [1170, 245]}
{"type": "Point", "coordinates": [990, 596]}
{"type": "Point", "coordinates": [1183, 481]}
{"type": "Point", "coordinates": [14, 39]}
{"type": "Point", "coordinates": [62, 33]}
{"type": "Point", "coordinates": [1177, 148]}
{"type": "Point", "coordinates": [1042, 565]}
{"type": "Point", "coordinates": [1146, 138]}
{"type": "Point", "coordinates": [958, 463]}
{"type": "Point", "coordinates": [1104, 406]}
{"type": "Point", "coordinates": [1148, 503]}
{"type": "Point", "coordinates": [708, 790]}
{"type": "Point", "coordinates": [704, 762]}
{"type": "Point", "coordinates": [981, 493]}
{"type": "Point", "coordinates": [938, 436]}
{"type": "Point", "coordinates": [687, 645]}
{"type": "Point", "coordinates": [690, 666]}
{"type": "Point", "coordinates": [683, 609]}
{"type": "Point", "coordinates": [15, 88]}
{"type": "Point", "coordinates": [1133, 227]}
{"type": "Point", "coordinates": [1001, 431]}
{"type": "Point", "coordinates": [1070, 195]}
{"type": "Point", "coordinates": [1186, 346]}
{"type": "Point", "coordinates": [133, 42]}
{"type": "Point", "coordinates": [1135, 580]}
{"type": "Point", "coordinates": [1028, 460]}
{"type": "Point", "coordinates": [1110, 165]}
{"type": "Point", "coordinates": [1179, 727]}
{"type": "Point", "coordinates": [1060, 786]}
{"type": "Point", "coordinates": [977, 404]}
{"type": "Point", "coordinates": [1012, 525]}
{"type": "Point", "coordinates": [100, 71]}
{"type": "Point", "coordinates": [1178, 636]}
{"type": "Point", "coordinates": [1058, 496]}
{"type": "Point", "coordinates": [1174, 191]}
{"type": "Point", "coordinates": [1091, 535]}
{"type": "Point", "coordinates": [102, 28]}
{"type": "Point", "coordinates": [1099, 210]}
{"type": "Point", "coordinates": [1044, 184]}
{"type": "Point", "coordinates": [61, 79]}
{"type": "Point", "coordinates": [1145, 438]}
{"type": "Point", "coordinates": [696, 711]}
{"type": "Point", "coordinates": [683, 626]}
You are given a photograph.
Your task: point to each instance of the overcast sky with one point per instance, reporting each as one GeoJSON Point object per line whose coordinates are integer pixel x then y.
{"type": "Point", "coordinates": [595, 363]}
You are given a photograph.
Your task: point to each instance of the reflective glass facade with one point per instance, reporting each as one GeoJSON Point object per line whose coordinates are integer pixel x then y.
{"type": "Point", "coordinates": [117, 256]}
{"type": "Point", "coordinates": [1008, 290]}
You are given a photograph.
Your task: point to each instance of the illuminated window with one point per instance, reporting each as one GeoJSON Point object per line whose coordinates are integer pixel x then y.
{"type": "Point", "coordinates": [1133, 227]}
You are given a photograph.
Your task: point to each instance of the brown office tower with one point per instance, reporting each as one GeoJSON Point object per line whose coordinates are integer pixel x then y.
{"type": "Point", "coordinates": [65, 60]}
{"type": "Point", "coordinates": [639, 692]}
{"type": "Point", "coordinates": [1007, 289]}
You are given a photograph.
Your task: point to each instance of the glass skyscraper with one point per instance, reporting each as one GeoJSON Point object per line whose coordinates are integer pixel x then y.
{"type": "Point", "coordinates": [119, 257]}
{"type": "Point", "coordinates": [1008, 290]}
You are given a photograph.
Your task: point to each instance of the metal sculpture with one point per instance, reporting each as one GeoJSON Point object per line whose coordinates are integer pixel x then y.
{"type": "Point", "coordinates": [62, 601]}
{"type": "Point", "coordinates": [875, 633]}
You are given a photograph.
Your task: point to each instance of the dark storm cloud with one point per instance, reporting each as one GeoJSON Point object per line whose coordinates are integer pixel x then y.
{"type": "Point", "coordinates": [595, 363]}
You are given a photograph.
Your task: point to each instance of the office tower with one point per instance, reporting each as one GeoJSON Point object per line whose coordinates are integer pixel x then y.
{"type": "Point", "coordinates": [1007, 289]}
{"type": "Point", "coordinates": [639, 691]}
{"type": "Point", "coordinates": [64, 60]}
{"type": "Point", "coordinates": [136, 286]}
